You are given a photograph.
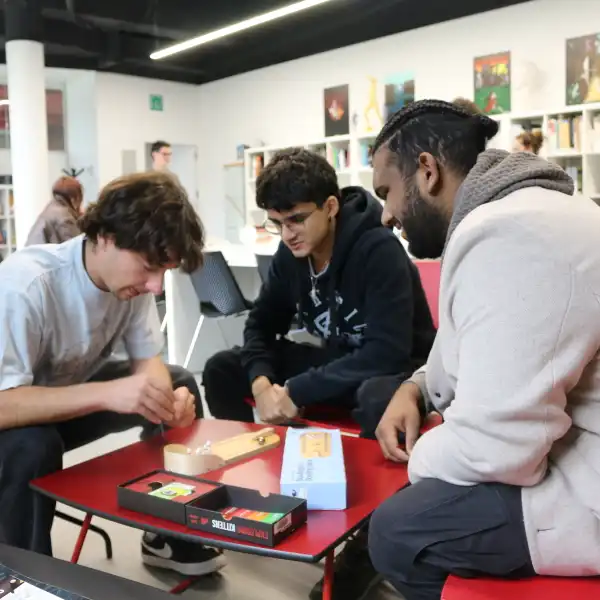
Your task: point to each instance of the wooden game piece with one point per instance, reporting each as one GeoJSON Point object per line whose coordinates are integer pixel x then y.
{"type": "Point", "coordinates": [188, 461]}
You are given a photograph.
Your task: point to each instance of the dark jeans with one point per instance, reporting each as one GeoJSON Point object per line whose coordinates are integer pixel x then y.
{"type": "Point", "coordinates": [30, 452]}
{"type": "Point", "coordinates": [227, 386]}
{"type": "Point", "coordinates": [432, 529]}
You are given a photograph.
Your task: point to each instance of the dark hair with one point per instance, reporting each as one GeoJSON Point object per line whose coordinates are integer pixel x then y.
{"type": "Point", "coordinates": [158, 146]}
{"type": "Point", "coordinates": [68, 190]}
{"type": "Point", "coordinates": [148, 213]}
{"type": "Point", "coordinates": [532, 140]}
{"type": "Point", "coordinates": [294, 176]}
{"type": "Point", "coordinates": [449, 132]}
{"type": "Point", "coordinates": [468, 105]}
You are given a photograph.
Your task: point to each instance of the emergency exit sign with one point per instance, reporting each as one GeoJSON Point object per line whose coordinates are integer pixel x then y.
{"type": "Point", "coordinates": [156, 102]}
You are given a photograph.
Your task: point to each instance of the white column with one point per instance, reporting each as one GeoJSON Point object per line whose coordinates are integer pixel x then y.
{"type": "Point", "coordinates": [28, 132]}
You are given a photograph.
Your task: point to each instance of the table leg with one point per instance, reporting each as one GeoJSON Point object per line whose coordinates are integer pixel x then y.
{"type": "Point", "coordinates": [328, 577]}
{"type": "Point", "coordinates": [183, 586]}
{"type": "Point", "coordinates": [82, 535]}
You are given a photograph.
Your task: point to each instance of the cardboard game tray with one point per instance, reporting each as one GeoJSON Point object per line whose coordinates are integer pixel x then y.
{"type": "Point", "coordinates": [227, 510]}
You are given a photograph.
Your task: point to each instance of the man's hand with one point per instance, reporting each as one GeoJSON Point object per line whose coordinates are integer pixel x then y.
{"type": "Point", "coordinates": [401, 416]}
{"type": "Point", "coordinates": [274, 404]}
{"type": "Point", "coordinates": [185, 409]}
{"type": "Point", "coordinates": [144, 395]}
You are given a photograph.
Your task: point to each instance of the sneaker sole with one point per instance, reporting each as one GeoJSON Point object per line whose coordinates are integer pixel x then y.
{"type": "Point", "coordinates": [191, 569]}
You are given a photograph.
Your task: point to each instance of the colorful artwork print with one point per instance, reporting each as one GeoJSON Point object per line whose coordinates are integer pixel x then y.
{"type": "Point", "coordinates": [337, 111]}
{"type": "Point", "coordinates": [583, 69]}
{"type": "Point", "coordinates": [399, 91]}
{"type": "Point", "coordinates": [492, 81]}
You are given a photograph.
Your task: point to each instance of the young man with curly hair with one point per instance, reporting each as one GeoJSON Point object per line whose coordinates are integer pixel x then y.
{"type": "Point", "coordinates": [63, 308]}
{"type": "Point", "coordinates": [352, 286]}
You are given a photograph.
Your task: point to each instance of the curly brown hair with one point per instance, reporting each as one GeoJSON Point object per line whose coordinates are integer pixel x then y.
{"type": "Point", "coordinates": [148, 213]}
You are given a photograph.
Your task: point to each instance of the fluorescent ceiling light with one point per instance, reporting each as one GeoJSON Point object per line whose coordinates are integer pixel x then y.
{"type": "Point", "coordinates": [237, 27]}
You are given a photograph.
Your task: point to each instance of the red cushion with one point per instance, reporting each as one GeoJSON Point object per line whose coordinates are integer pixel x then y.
{"type": "Point", "coordinates": [537, 588]}
{"type": "Point", "coordinates": [430, 272]}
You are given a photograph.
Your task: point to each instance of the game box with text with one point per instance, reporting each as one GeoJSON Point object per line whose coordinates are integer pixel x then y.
{"type": "Point", "coordinates": [227, 510]}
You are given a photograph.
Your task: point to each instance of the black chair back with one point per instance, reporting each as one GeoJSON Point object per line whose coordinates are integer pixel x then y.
{"type": "Point", "coordinates": [216, 287]}
{"type": "Point", "coordinates": [264, 264]}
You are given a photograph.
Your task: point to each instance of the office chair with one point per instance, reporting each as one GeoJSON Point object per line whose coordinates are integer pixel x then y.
{"type": "Point", "coordinates": [264, 264]}
{"type": "Point", "coordinates": [218, 293]}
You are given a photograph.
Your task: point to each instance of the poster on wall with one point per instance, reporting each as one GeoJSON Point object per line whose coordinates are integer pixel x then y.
{"type": "Point", "coordinates": [368, 118]}
{"type": "Point", "coordinates": [399, 91]}
{"type": "Point", "coordinates": [492, 83]}
{"type": "Point", "coordinates": [337, 111]}
{"type": "Point", "coordinates": [583, 69]}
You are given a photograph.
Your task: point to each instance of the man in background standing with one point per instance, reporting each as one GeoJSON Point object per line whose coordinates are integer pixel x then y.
{"type": "Point", "coordinates": [161, 154]}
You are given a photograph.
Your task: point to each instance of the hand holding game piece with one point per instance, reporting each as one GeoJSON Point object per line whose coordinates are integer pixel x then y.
{"type": "Point", "coordinates": [401, 416]}
{"type": "Point", "coordinates": [184, 408]}
{"type": "Point", "coordinates": [275, 406]}
{"type": "Point", "coordinates": [142, 394]}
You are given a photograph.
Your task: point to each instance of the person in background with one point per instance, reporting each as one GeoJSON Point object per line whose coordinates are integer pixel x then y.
{"type": "Point", "coordinates": [529, 141]}
{"type": "Point", "coordinates": [467, 105]}
{"type": "Point", "coordinates": [63, 307]}
{"type": "Point", "coordinates": [161, 154]}
{"type": "Point", "coordinates": [507, 486]}
{"type": "Point", "coordinates": [354, 288]}
{"type": "Point", "coordinates": [57, 223]}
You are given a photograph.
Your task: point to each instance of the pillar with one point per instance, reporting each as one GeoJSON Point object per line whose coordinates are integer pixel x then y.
{"type": "Point", "coordinates": [27, 112]}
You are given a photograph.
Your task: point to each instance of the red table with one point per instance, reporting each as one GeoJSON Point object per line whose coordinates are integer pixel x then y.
{"type": "Point", "coordinates": [92, 487]}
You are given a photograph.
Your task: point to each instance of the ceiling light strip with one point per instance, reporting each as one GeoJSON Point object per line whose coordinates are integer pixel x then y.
{"type": "Point", "coordinates": [237, 27]}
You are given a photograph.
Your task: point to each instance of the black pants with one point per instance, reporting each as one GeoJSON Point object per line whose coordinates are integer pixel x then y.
{"type": "Point", "coordinates": [227, 386]}
{"type": "Point", "coordinates": [30, 452]}
{"type": "Point", "coordinates": [432, 529]}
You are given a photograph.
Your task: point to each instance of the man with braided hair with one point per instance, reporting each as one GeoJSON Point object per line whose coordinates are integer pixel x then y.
{"type": "Point", "coordinates": [507, 485]}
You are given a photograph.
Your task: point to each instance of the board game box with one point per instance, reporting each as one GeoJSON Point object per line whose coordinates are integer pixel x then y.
{"type": "Point", "coordinates": [313, 468]}
{"type": "Point", "coordinates": [231, 511]}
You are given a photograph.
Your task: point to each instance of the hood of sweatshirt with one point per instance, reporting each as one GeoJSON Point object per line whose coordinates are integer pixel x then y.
{"type": "Point", "coordinates": [498, 173]}
{"type": "Point", "coordinates": [359, 213]}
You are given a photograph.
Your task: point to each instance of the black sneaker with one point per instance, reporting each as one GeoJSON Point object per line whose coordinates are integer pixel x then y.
{"type": "Point", "coordinates": [183, 557]}
{"type": "Point", "coordinates": [354, 575]}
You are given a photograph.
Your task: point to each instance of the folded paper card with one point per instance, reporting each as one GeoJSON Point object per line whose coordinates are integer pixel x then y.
{"type": "Point", "coordinates": [313, 468]}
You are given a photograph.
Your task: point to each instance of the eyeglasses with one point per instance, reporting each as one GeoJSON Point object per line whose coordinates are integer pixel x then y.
{"type": "Point", "coordinates": [293, 222]}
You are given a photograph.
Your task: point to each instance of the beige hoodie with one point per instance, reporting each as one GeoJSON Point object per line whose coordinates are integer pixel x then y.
{"type": "Point", "coordinates": [515, 368]}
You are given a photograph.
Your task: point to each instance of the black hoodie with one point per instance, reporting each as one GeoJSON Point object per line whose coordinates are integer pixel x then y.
{"type": "Point", "coordinates": [369, 309]}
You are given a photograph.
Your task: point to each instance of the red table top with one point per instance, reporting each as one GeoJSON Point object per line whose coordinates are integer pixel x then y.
{"type": "Point", "coordinates": [537, 588]}
{"type": "Point", "coordinates": [92, 487]}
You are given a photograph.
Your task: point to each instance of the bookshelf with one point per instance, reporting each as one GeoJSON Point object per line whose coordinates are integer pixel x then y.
{"type": "Point", "coordinates": [571, 140]}
{"type": "Point", "coordinates": [7, 222]}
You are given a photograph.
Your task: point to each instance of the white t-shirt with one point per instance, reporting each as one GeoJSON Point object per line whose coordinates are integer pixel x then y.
{"type": "Point", "coordinates": [56, 327]}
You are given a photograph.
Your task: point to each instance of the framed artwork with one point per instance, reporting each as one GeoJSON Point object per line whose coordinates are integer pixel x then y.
{"type": "Point", "coordinates": [492, 80]}
{"type": "Point", "coordinates": [337, 111]}
{"type": "Point", "coordinates": [583, 69]}
{"type": "Point", "coordinates": [399, 90]}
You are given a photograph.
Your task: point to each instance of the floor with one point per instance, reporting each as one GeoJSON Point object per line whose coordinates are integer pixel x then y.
{"type": "Point", "coordinates": [245, 576]}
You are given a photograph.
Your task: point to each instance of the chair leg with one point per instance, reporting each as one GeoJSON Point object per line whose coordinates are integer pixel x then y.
{"type": "Point", "coordinates": [94, 528]}
{"type": "Point", "coordinates": [188, 357]}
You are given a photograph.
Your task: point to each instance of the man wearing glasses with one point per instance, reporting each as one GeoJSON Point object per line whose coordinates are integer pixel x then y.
{"type": "Point", "coordinates": [352, 286]}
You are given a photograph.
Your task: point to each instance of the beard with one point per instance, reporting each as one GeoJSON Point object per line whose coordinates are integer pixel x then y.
{"type": "Point", "coordinates": [425, 226]}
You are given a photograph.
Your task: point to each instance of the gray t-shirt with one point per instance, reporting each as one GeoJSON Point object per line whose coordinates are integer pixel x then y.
{"type": "Point", "coordinates": [56, 327]}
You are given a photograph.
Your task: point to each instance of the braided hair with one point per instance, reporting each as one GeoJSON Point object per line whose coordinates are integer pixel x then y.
{"type": "Point", "coordinates": [450, 132]}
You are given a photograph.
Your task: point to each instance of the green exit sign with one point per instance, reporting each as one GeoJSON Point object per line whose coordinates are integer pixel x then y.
{"type": "Point", "coordinates": [156, 102]}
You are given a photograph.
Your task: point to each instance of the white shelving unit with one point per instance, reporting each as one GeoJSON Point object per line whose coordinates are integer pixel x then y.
{"type": "Point", "coordinates": [349, 154]}
{"type": "Point", "coordinates": [571, 140]}
{"type": "Point", "coordinates": [7, 222]}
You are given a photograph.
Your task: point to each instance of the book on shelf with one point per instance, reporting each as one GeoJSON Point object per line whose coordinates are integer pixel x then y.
{"type": "Point", "coordinates": [564, 133]}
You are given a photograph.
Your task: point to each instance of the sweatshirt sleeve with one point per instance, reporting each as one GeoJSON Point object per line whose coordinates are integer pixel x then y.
{"type": "Point", "coordinates": [518, 312]}
{"type": "Point", "coordinates": [270, 316]}
{"type": "Point", "coordinates": [387, 343]}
